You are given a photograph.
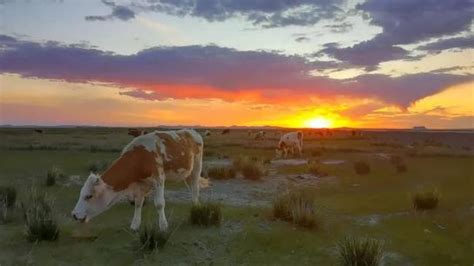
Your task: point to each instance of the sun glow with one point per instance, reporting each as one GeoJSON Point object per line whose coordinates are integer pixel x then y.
{"type": "Point", "coordinates": [319, 122]}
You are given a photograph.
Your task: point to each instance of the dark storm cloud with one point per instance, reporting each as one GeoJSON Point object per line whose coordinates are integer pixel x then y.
{"type": "Point", "coordinates": [209, 72]}
{"type": "Point", "coordinates": [405, 22]}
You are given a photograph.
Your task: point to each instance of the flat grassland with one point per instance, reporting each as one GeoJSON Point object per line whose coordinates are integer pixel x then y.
{"type": "Point", "coordinates": [376, 205]}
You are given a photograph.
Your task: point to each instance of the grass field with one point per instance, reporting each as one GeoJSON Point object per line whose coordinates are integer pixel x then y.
{"type": "Point", "coordinates": [377, 205]}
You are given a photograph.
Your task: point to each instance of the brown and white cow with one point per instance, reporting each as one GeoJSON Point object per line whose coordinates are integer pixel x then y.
{"type": "Point", "coordinates": [289, 142]}
{"type": "Point", "coordinates": [144, 165]}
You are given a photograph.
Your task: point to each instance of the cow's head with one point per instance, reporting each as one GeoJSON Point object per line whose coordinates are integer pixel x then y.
{"type": "Point", "coordinates": [94, 198]}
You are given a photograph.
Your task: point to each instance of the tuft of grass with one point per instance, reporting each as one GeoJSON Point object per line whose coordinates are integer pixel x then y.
{"type": "Point", "coordinates": [40, 223]}
{"type": "Point", "coordinates": [252, 170]}
{"type": "Point", "coordinates": [296, 207]}
{"type": "Point", "coordinates": [238, 162]}
{"type": "Point", "coordinates": [426, 200]}
{"type": "Point", "coordinates": [398, 163]}
{"type": "Point", "coordinates": [221, 173]}
{"type": "Point", "coordinates": [98, 166]}
{"type": "Point", "coordinates": [8, 196]}
{"type": "Point", "coordinates": [360, 251]}
{"type": "Point", "coordinates": [206, 214]}
{"type": "Point", "coordinates": [151, 237]}
{"type": "Point", "coordinates": [362, 167]}
{"type": "Point", "coordinates": [53, 174]}
{"type": "Point", "coordinates": [401, 168]}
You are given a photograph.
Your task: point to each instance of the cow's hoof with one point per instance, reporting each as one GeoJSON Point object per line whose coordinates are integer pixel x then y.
{"type": "Point", "coordinates": [163, 226]}
{"type": "Point", "coordinates": [134, 228]}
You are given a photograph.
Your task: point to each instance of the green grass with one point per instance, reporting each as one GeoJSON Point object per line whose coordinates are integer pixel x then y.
{"type": "Point", "coordinates": [360, 251]}
{"type": "Point", "coordinates": [248, 235]}
{"type": "Point", "coordinates": [205, 214]}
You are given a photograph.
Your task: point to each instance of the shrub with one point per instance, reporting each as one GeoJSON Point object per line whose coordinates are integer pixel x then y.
{"type": "Point", "coordinates": [221, 173]}
{"type": "Point", "coordinates": [98, 166]}
{"type": "Point", "coordinates": [360, 251]}
{"type": "Point", "coordinates": [426, 200]}
{"type": "Point", "coordinates": [40, 223]}
{"type": "Point", "coordinates": [252, 170]}
{"type": "Point", "coordinates": [361, 167]}
{"type": "Point", "coordinates": [52, 174]}
{"type": "Point", "coordinates": [151, 237]}
{"type": "Point", "coordinates": [296, 207]}
{"type": "Point", "coordinates": [206, 214]}
{"type": "Point", "coordinates": [8, 196]}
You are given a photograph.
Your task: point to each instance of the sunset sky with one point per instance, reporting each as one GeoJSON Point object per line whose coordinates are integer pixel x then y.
{"type": "Point", "coordinates": [293, 63]}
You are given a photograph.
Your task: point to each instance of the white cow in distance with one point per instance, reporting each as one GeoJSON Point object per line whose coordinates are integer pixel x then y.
{"type": "Point", "coordinates": [289, 142]}
{"type": "Point", "coordinates": [142, 168]}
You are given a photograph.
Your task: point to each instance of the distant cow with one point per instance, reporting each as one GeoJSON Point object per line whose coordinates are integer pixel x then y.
{"type": "Point", "coordinates": [225, 131]}
{"type": "Point", "coordinates": [207, 133]}
{"type": "Point", "coordinates": [260, 135]}
{"type": "Point", "coordinates": [290, 142]}
{"type": "Point", "coordinates": [142, 168]}
{"type": "Point", "coordinates": [136, 132]}
{"type": "Point", "coordinates": [39, 131]}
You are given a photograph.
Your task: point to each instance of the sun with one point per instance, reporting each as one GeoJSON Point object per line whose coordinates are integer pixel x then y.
{"type": "Point", "coordinates": [319, 122]}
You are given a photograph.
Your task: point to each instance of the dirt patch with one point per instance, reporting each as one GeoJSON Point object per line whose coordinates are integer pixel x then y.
{"type": "Point", "coordinates": [285, 162]}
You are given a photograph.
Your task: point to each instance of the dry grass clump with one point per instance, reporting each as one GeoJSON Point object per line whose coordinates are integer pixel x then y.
{"type": "Point", "coordinates": [221, 173]}
{"type": "Point", "coordinates": [8, 195]}
{"type": "Point", "coordinates": [40, 222]}
{"type": "Point", "coordinates": [52, 174]}
{"type": "Point", "coordinates": [151, 237]}
{"type": "Point", "coordinates": [7, 202]}
{"type": "Point", "coordinates": [362, 167]}
{"type": "Point", "coordinates": [206, 214]}
{"type": "Point", "coordinates": [253, 170]}
{"type": "Point", "coordinates": [296, 207]}
{"type": "Point", "coordinates": [360, 251]}
{"type": "Point", "coordinates": [426, 200]}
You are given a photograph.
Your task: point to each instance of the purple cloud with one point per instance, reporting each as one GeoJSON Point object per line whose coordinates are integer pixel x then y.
{"type": "Point", "coordinates": [405, 22]}
{"type": "Point", "coordinates": [118, 12]}
{"type": "Point", "coordinates": [209, 72]}
{"type": "Point", "coordinates": [459, 42]}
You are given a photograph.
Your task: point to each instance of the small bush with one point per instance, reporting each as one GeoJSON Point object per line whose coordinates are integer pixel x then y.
{"type": "Point", "coordinates": [8, 196]}
{"type": "Point", "coordinates": [426, 200]}
{"type": "Point", "coordinates": [222, 173]}
{"type": "Point", "coordinates": [98, 166]}
{"type": "Point", "coordinates": [361, 167]}
{"type": "Point", "coordinates": [40, 223]}
{"type": "Point", "coordinates": [296, 207]}
{"type": "Point", "coordinates": [52, 174]}
{"type": "Point", "coordinates": [252, 170]}
{"type": "Point", "coordinates": [206, 214]}
{"type": "Point", "coordinates": [362, 251]}
{"type": "Point", "coordinates": [151, 237]}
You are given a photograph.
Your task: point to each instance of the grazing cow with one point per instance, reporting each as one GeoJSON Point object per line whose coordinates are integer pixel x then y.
{"type": "Point", "coordinates": [207, 133]}
{"type": "Point", "coordinates": [141, 169]}
{"type": "Point", "coordinates": [40, 131]}
{"type": "Point", "coordinates": [260, 135]}
{"type": "Point", "coordinates": [289, 142]}
{"type": "Point", "coordinates": [225, 131]}
{"type": "Point", "coordinates": [135, 132]}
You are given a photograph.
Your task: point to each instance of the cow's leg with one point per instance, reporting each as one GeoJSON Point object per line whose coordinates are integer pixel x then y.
{"type": "Point", "coordinates": [137, 215]}
{"type": "Point", "coordinates": [159, 201]}
{"type": "Point", "coordinates": [300, 151]}
{"type": "Point", "coordinates": [195, 176]}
